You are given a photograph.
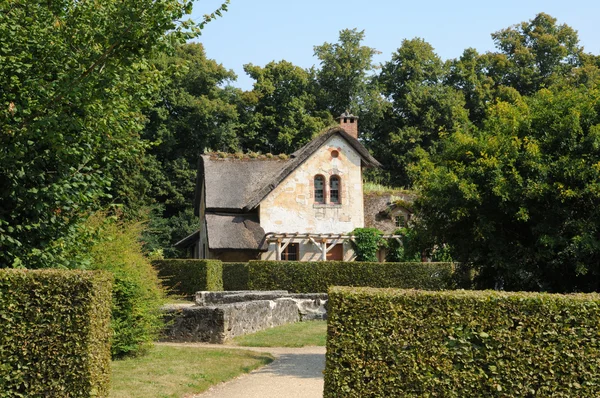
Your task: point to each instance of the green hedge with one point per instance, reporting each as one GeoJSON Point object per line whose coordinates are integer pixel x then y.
{"type": "Point", "coordinates": [235, 276]}
{"type": "Point", "coordinates": [54, 333]}
{"type": "Point", "coordinates": [407, 343]}
{"type": "Point", "coordinates": [186, 277]}
{"type": "Point", "coordinates": [316, 277]}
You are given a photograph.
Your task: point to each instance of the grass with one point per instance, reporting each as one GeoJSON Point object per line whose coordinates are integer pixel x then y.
{"type": "Point", "coordinates": [297, 334]}
{"type": "Point", "coordinates": [370, 187]}
{"type": "Point", "coordinates": [169, 371]}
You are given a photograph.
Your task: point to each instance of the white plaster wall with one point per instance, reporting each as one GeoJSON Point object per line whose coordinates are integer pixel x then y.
{"type": "Point", "coordinates": [290, 207]}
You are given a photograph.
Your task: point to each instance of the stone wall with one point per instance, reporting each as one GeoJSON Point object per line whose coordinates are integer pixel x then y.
{"type": "Point", "coordinates": [381, 210]}
{"type": "Point", "coordinates": [219, 316]}
{"type": "Point", "coordinates": [219, 323]}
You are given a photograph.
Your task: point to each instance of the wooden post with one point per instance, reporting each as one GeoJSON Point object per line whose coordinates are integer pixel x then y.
{"type": "Point", "coordinates": [278, 250]}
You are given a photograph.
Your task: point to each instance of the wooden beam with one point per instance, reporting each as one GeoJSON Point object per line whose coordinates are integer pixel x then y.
{"type": "Point", "coordinates": [278, 250]}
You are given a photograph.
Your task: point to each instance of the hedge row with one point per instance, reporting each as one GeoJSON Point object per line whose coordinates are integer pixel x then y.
{"type": "Point", "coordinates": [188, 276]}
{"type": "Point", "coordinates": [392, 343]}
{"type": "Point", "coordinates": [235, 276]}
{"type": "Point", "coordinates": [55, 333]}
{"type": "Point", "coordinates": [317, 277]}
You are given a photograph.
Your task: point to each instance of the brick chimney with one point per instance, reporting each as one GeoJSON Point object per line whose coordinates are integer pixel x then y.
{"type": "Point", "coordinates": [349, 123]}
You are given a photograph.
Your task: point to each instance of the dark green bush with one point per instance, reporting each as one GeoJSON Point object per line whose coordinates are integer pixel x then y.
{"type": "Point", "coordinates": [186, 277]}
{"type": "Point", "coordinates": [235, 276]}
{"type": "Point", "coordinates": [137, 294]}
{"type": "Point", "coordinates": [54, 333]}
{"type": "Point", "coordinates": [316, 277]}
{"type": "Point", "coordinates": [408, 343]}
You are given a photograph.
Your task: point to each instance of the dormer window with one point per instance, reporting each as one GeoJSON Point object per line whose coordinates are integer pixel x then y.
{"type": "Point", "coordinates": [319, 189]}
{"type": "Point", "coordinates": [334, 190]}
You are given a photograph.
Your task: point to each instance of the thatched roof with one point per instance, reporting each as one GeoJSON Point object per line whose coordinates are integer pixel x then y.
{"type": "Point", "coordinates": [229, 183]}
{"type": "Point", "coordinates": [230, 232]}
{"type": "Point", "coordinates": [239, 185]}
{"type": "Point", "coordinates": [235, 232]}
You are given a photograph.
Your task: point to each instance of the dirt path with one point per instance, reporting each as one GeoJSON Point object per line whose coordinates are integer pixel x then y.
{"type": "Point", "coordinates": [295, 373]}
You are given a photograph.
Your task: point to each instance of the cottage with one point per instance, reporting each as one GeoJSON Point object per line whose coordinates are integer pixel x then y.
{"type": "Point", "coordinates": [297, 208]}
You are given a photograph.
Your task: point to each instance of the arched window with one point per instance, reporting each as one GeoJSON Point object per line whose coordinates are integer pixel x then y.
{"type": "Point", "coordinates": [334, 190]}
{"type": "Point", "coordinates": [319, 189]}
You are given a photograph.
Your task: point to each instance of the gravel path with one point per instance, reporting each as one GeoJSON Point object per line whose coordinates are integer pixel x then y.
{"type": "Point", "coordinates": [295, 373]}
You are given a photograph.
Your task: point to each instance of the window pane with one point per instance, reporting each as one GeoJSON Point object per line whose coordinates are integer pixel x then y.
{"type": "Point", "coordinates": [335, 183]}
{"type": "Point", "coordinates": [290, 253]}
{"type": "Point", "coordinates": [334, 189]}
{"type": "Point", "coordinates": [319, 191]}
{"type": "Point", "coordinates": [319, 182]}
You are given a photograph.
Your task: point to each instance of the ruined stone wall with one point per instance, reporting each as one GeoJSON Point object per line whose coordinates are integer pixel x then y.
{"type": "Point", "coordinates": [219, 323]}
{"type": "Point", "coordinates": [380, 210]}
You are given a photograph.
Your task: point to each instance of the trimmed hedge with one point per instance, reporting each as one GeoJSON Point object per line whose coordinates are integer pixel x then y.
{"type": "Point", "coordinates": [235, 276]}
{"type": "Point", "coordinates": [407, 343]}
{"type": "Point", "coordinates": [317, 277]}
{"type": "Point", "coordinates": [55, 333]}
{"type": "Point", "coordinates": [186, 277]}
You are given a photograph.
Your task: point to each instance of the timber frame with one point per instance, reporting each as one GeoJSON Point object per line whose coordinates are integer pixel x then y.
{"type": "Point", "coordinates": [325, 242]}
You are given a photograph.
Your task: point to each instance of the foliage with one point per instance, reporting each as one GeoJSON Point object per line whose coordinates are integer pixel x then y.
{"type": "Point", "coordinates": [55, 338]}
{"type": "Point", "coordinates": [282, 108]}
{"type": "Point", "coordinates": [346, 80]}
{"type": "Point", "coordinates": [516, 198]}
{"type": "Point", "coordinates": [192, 112]}
{"type": "Point", "coordinates": [161, 233]}
{"type": "Point", "coordinates": [299, 334]}
{"type": "Point", "coordinates": [186, 277]}
{"type": "Point", "coordinates": [366, 243]}
{"type": "Point", "coordinates": [137, 296]}
{"type": "Point", "coordinates": [235, 276]}
{"type": "Point", "coordinates": [317, 277]}
{"type": "Point", "coordinates": [406, 250]}
{"type": "Point", "coordinates": [71, 103]}
{"type": "Point", "coordinates": [534, 54]}
{"type": "Point", "coordinates": [422, 107]}
{"type": "Point", "coordinates": [461, 343]}
{"type": "Point", "coordinates": [173, 372]}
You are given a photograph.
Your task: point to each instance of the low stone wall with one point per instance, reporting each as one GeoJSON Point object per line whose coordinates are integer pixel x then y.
{"type": "Point", "coordinates": [219, 316]}
{"type": "Point", "coordinates": [311, 306]}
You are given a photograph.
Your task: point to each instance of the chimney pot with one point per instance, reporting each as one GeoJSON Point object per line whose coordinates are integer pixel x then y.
{"type": "Point", "coordinates": [349, 123]}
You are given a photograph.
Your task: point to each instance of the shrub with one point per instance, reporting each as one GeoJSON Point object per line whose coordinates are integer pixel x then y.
{"type": "Point", "coordinates": [137, 295]}
{"type": "Point", "coordinates": [55, 335]}
{"type": "Point", "coordinates": [186, 277]}
{"type": "Point", "coordinates": [366, 243]}
{"type": "Point", "coordinates": [315, 277]}
{"type": "Point", "coordinates": [235, 276]}
{"type": "Point", "coordinates": [407, 343]}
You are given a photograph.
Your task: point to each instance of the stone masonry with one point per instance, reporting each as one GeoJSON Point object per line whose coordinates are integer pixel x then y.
{"type": "Point", "coordinates": [219, 316]}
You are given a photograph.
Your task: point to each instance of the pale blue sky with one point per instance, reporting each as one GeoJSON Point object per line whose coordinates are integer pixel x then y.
{"type": "Point", "coordinates": [261, 31]}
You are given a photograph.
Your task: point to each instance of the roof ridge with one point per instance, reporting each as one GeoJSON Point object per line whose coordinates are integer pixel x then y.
{"type": "Point", "coordinates": [301, 155]}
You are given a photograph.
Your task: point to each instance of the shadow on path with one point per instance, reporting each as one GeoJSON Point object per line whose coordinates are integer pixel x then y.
{"type": "Point", "coordinates": [309, 366]}
{"type": "Point", "coordinates": [295, 373]}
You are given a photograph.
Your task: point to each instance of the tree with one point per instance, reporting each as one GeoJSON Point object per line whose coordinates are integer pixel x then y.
{"type": "Point", "coordinates": [283, 108]}
{"type": "Point", "coordinates": [534, 54]}
{"type": "Point", "coordinates": [469, 75]}
{"type": "Point", "coordinates": [517, 199]}
{"type": "Point", "coordinates": [71, 97]}
{"type": "Point", "coordinates": [346, 80]}
{"type": "Point", "coordinates": [193, 113]}
{"type": "Point", "coordinates": [422, 107]}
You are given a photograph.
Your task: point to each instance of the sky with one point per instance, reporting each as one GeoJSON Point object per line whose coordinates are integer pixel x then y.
{"type": "Point", "coordinates": [261, 31]}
